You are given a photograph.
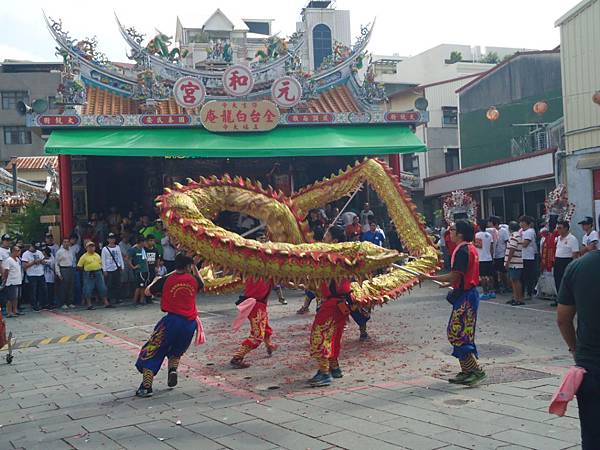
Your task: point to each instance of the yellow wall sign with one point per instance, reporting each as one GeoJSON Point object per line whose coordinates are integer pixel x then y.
{"type": "Point", "coordinates": [239, 116]}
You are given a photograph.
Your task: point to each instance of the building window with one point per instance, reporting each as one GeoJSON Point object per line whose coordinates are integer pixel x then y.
{"type": "Point", "coordinates": [17, 135]}
{"type": "Point", "coordinates": [449, 116]}
{"type": "Point", "coordinates": [10, 99]}
{"type": "Point", "coordinates": [321, 43]}
{"type": "Point", "coordinates": [452, 159]}
{"type": "Point", "coordinates": [410, 163]}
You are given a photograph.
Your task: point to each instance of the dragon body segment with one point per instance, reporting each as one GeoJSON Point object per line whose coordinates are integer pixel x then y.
{"type": "Point", "coordinates": [292, 256]}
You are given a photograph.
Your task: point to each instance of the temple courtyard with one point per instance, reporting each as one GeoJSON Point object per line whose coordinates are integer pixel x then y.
{"type": "Point", "coordinates": [72, 383]}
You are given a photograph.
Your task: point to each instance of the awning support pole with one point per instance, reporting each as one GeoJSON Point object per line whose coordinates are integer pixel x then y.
{"type": "Point", "coordinates": [66, 195]}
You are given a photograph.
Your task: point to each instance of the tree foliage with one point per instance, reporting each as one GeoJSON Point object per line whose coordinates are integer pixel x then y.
{"type": "Point", "coordinates": [455, 57]}
{"type": "Point", "coordinates": [27, 222]}
{"type": "Point", "coordinates": [490, 58]}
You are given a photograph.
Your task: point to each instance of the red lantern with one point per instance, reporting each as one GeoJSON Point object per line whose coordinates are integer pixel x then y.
{"type": "Point", "coordinates": [492, 114]}
{"type": "Point", "coordinates": [540, 108]}
{"type": "Point", "coordinates": [596, 97]}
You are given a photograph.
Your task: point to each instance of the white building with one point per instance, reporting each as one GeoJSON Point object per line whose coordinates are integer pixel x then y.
{"type": "Point", "coordinates": [225, 38]}
{"type": "Point", "coordinates": [580, 61]}
{"type": "Point", "coordinates": [435, 74]}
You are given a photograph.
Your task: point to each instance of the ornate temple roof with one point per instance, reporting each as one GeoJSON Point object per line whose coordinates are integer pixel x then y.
{"type": "Point", "coordinates": [96, 92]}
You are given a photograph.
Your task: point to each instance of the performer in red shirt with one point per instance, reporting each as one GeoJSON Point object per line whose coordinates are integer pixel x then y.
{"type": "Point", "coordinates": [174, 332]}
{"type": "Point", "coordinates": [328, 326]}
{"type": "Point", "coordinates": [464, 298]}
{"type": "Point", "coordinates": [260, 330]}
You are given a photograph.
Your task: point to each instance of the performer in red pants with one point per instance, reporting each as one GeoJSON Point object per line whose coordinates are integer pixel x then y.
{"type": "Point", "coordinates": [260, 330]}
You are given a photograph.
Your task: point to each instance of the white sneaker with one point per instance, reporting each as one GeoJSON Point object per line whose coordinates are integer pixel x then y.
{"type": "Point", "coordinates": [65, 307]}
{"type": "Point", "coordinates": [72, 306]}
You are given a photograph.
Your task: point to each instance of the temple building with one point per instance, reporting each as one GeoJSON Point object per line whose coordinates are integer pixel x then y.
{"type": "Point", "coordinates": [226, 97]}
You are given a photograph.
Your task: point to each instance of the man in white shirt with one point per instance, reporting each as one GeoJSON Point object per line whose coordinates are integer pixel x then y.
{"type": "Point", "coordinates": [503, 235]}
{"type": "Point", "coordinates": [112, 265]}
{"type": "Point", "coordinates": [529, 251]}
{"type": "Point", "coordinates": [485, 248]}
{"type": "Point", "coordinates": [590, 239]}
{"type": "Point", "coordinates": [64, 268]}
{"type": "Point", "coordinates": [567, 249]}
{"type": "Point", "coordinates": [49, 239]}
{"type": "Point", "coordinates": [12, 279]}
{"type": "Point", "coordinates": [33, 263]}
{"type": "Point", "coordinates": [169, 253]}
{"type": "Point", "coordinates": [366, 215]}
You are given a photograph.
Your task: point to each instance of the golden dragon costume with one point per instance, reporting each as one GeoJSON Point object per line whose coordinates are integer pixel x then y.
{"type": "Point", "coordinates": [293, 257]}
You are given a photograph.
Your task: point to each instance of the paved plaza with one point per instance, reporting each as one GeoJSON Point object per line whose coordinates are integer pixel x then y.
{"type": "Point", "coordinates": [72, 383]}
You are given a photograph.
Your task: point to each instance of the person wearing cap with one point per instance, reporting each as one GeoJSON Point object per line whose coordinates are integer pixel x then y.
{"type": "Point", "coordinates": [112, 265]}
{"type": "Point", "coordinates": [65, 272]}
{"type": "Point", "coordinates": [138, 262]}
{"type": "Point", "coordinates": [33, 263]}
{"type": "Point", "coordinates": [91, 264]}
{"type": "Point", "coordinates": [590, 239]}
{"type": "Point", "coordinates": [49, 241]}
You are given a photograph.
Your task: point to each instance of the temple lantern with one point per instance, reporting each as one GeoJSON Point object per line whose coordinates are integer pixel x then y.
{"type": "Point", "coordinates": [492, 114]}
{"type": "Point", "coordinates": [540, 108]}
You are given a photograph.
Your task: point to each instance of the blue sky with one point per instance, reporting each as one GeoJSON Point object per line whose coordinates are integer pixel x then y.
{"type": "Point", "coordinates": [403, 27]}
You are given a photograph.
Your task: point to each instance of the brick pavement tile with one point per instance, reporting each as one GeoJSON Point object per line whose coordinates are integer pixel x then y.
{"type": "Point", "coordinates": [353, 424]}
{"type": "Point", "coordinates": [192, 442]}
{"type": "Point", "coordinates": [370, 414]}
{"type": "Point", "coordinates": [58, 444]}
{"type": "Point", "coordinates": [508, 390]}
{"type": "Point", "coordinates": [163, 429]}
{"type": "Point", "coordinates": [187, 416]}
{"type": "Point", "coordinates": [264, 412]}
{"type": "Point", "coordinates": [33, 400]}
{"type": "Point", "coordinates": [349, 440]}
{"type": "Point", "coordinates": [467, 440]}
{"type": "Point", "coordinates": [93, 441]}
{"type": "Point", "coordinates": [228, 415]}
{"type": "Point", "coordinates": [144, 441]}
{"type": "Point", "coordinates": [509, 410]}
{"type": "Point", "coordinates": [409, 440]}
{"type": "Point", "coordinates": [531, 440]}
{"type": "Point", "coordinates": [100, 423]}
{"type": "Point", "coordinates": [414, 426]}
{"type": "Point", "coordinates": [212, 429]}
{"type": "Point", "coordinates": [281, 436]}
{"type": "Point", "coordinates": [244, 441]}
{"type": "Point", "coordinates": [288, 405]}
{"type": "Point", "coordinates": [123, 432]}
{"type": "Point", "coordinates": [311, 427]}
{"type": "Point", "coordinates": [572, 435]}
{"type": "Point", "coordinates": [9, 405]}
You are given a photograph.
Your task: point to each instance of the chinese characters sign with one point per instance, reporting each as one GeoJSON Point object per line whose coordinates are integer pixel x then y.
{"type": "Point", "coordinates": [189, 92]}
{"type": "Point", "coordinates": [286, 92]}
{"type": "Point", "coordinates": [239, 116]}
{"type": "Point", "coordinates": [238, 81]}
{"type": "Point", "coordinates": [56, 120]}
{"type": "Point", "coordinates": [409, 116]}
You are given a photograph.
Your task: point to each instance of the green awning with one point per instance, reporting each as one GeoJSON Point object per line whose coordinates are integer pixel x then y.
{"type": "Point", "coordinates": [200, 143]}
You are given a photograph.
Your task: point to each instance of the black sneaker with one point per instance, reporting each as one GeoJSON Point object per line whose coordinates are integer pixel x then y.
{"type": "Point", "coordinates": [337, 373]}
{"type": "Point", "coordinates": [172, 378]}
{"type": "Point", "coordinates": [143, 391]}
{"type": "Point", "coordinates": [109, 306]}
